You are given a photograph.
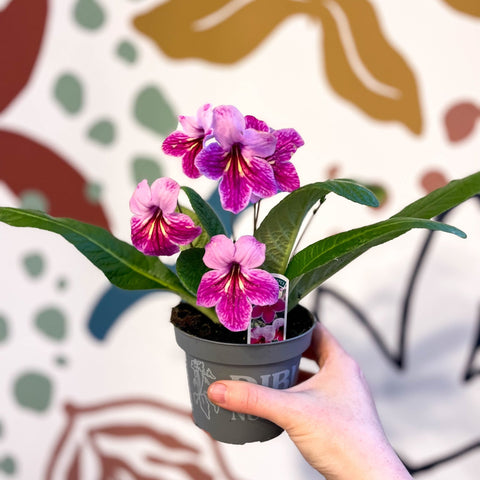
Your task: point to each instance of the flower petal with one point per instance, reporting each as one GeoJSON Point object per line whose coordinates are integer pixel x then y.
{"type": "Point", "coordinates": [211, 288]}
{"type": "Point", "coordinates": [211, 161]}
{"type": "Point", "coordinates": [256, 124]}
{"type": "Point", "coordinates": [234, 192]}
{"type": "Point", "coordinates": [198, 125]}
{"type": "Point", "coordinates": [249, 252]}
{"type": "Point", "coordinates": [288, 141]}
{"type": "Point", "coordinates": [261, 178]}
{"type": "Point", "coordinates": [234, 312]}
{"type": "Point", "coordinates": [178, 144]}
{"type": "Point", "coordinates": [228, 125]}
{"type": "Point", "coordinates": [141, 200]}
{"type": "Point", "coordinates": [148, 238]}
{"type": "Point", "coordinates": [219, 253]}
{"type": "Point", "coordinates": [260, 287]}
{"type": "Point", "coordinates": [286, 176]}
{"type": "Point", "coordinates": [180, 228]}
{"type": "Point", "coordinates": [260, 144]}
{"type": "Point", "coordinates": [165, 194]}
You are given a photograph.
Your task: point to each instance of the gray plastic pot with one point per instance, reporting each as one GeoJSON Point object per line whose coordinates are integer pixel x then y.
{"type": "Point", "coordinates": [274, 365]}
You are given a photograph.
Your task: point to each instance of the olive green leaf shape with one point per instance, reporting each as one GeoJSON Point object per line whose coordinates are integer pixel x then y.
{"type": "Point", "coordinates": [471, 7]}
{"type": "Point", "coordinates": [279, 230]}
{"type": "Point", "coordinates": [205, 213]}
{"type": "Point", "coordinates": [121, 263]}
{"type": "Point", "coordinates": [316, 263]}
{"type": "Point", "coordinates": [190, 268]}
{"type": "Point", "coordinates": [363, 67]}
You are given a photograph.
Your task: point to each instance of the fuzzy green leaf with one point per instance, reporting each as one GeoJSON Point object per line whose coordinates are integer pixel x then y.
{"type": "Point", "coordinates": [316, 263]}
{"type": "Point", "coordinates": [205, 213]}
{"type": "Point", "coordinates": [121, 263]}
{"type": "Point", "coordinates": [190, 268]}
{"type": "Point", "coordinates": [444, 198]}
{"type": "Point", "coordinates": [279, 229]}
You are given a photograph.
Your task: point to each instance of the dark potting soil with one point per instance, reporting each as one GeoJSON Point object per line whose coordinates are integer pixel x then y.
{"type": "Point", "coordinates": [191, 321]}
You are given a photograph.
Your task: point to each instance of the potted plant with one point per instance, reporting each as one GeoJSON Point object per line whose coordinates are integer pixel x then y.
{"type": "Point", "coordinates": [240, 297]}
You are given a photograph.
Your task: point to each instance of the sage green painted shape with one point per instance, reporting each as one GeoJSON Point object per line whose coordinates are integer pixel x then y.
{"type": "Point", "coordinates": [93, 192]}
{"type": "Point", "coordinates": [89, 14]}
{"type": "Point", "coordinates": [34, 264]}
{"type": "Point", "coordinates": [3, 329]}
{"type": "Point", "coordinates": [69, 93]}
{"type": "Point", "coordinates": [62, 283]}
{"type": "Point", "coordinates": [146, 168]}
{"type": "Point", "coordinates": [52, 323]}
{"type": "Point", "coordinates": [153, 111]}
{"type": "Point", "coordinates": [102, 132]}
{"type": "Point", "coordinates": [61, 360]}
{"type": "Point", "coordinates": [8, 465]}
{"type": "Point", "coordinates": [127, 51]}
{"type": "Point", "coordinates": [33, 391]}
{"type": "Point", "coordinates": [34, 200]}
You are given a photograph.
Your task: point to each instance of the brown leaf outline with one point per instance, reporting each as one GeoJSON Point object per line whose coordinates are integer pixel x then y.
{"type": "Point", "coordinates": [138, 438]}
{"type": "Point", "coordinates": [470, 7]}
{"type": "Point", "coordinates": [364, 68]}
{"type": "Point", "coordinates": [361, 65]}
{"type": "Point", "coordinates": [22, 25]}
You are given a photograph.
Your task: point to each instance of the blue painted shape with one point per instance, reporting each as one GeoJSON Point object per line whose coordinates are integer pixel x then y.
{"type": "Point", "coordinates": [110, 306]}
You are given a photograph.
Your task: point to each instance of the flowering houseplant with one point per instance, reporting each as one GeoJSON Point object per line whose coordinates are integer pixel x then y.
{"type": "Point", "coordinates": [231, 281]}
{"type": "Point", "coordinates": [222, 278]}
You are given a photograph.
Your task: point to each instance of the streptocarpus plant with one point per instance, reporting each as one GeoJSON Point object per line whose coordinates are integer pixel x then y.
{"type": "Point", "coordinates": [223, 278]}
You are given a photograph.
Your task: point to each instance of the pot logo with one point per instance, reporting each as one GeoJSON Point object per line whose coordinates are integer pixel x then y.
{"type": "Point", "coordinates": [202, 378]}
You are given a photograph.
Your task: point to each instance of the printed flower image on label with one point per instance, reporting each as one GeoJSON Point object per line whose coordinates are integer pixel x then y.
{"type": "Point", "coordinates": [269, 322]}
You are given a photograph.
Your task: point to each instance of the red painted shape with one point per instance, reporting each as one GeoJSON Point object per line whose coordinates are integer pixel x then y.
{"type": "Point", "coordinates": [22, 24]}
{"type": "Point", "coordinates": [432, 180]}
{"type": "Point", "coordinates": [27, 165]}
{"type": "Point", "coordinates": [460, 120]}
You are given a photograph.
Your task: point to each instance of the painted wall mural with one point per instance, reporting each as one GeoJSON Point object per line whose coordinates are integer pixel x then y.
{"type": "Point", "coordinates": [91, 382]}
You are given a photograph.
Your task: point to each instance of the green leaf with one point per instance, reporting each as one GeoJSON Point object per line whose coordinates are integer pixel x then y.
{"type": "Point", "coordinates": [190, 268]}
{"type": "Point", "coordinates": [319, 261]}
{"type": "Point", "coordinates": [279, 229]}
{"type": "Point", "coordinates": [444, 198]}
{"type": "Point", "coordinates": [121, 263]}
{"type": "Point", "coordinates": [205, 213]}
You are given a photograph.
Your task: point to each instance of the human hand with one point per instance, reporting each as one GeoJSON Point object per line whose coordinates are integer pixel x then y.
{"type": "Point", "coordinates": [331, 416]}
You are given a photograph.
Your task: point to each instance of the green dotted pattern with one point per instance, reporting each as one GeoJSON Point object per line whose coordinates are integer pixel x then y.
{"type": "Point", "coordinates": [102, 132]}
{"type": "Point", "coordinates": [68, 91]}
{"type": "Point", "coordinates": [8, 465]}
{"type": "Point", "coordinates": [89, 14]}
{"type": "Point", "coordinates": [52, 323]}
{"type": "Point", "coordinates": [3, 329]}
{"type": "Point", "coordinates": [33, 391]}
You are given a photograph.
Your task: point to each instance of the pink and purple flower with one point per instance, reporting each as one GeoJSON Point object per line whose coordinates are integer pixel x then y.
{"type": "Point", "coordinates": [155, 226]}
{"type": "Point", "coordinates": [234, 283]}
{"type": "Point", "coordinates": [188, 143]}
{"type": "Point", "coordinates": [237, 159]}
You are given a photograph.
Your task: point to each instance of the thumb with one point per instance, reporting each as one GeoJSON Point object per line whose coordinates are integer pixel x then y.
{"type": "Point", "coordinates": [252, 399]}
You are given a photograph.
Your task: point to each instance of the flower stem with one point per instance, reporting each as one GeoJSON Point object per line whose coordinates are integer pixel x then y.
{"type": "Point", "coordinates": [307, 225]}
{"type": "Point", "coordinates": [256, 214]}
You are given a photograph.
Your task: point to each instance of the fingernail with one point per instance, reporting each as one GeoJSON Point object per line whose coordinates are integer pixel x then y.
{"type": "Point", "coordinates": [216, 392]}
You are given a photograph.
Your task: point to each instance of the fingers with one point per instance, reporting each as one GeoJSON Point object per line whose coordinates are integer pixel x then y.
{"type": "Point", "coordinates": [323, 345]}
{"type": "Point", "coordinates": [251, 399]}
